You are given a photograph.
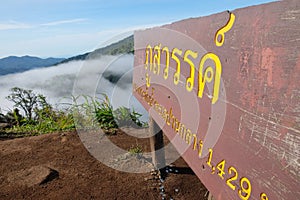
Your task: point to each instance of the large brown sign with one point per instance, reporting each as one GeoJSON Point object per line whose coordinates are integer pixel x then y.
{"type": "Point", "coordinates": [225, 90]}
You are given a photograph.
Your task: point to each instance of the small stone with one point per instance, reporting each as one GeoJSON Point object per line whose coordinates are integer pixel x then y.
{"type": "Point", "coordinates": [176, 190]}
{"type": "Point", "coordinates": [153, 173]}
{"type": "Point", "coordinates": [64, 139]}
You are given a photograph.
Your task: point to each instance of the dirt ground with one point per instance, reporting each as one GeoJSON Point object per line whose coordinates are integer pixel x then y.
{"type": "Point", "coordinates": [58, 166]}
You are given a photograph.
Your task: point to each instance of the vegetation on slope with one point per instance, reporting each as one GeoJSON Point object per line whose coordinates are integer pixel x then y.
{"type": "Point", "coordinates": [39, 117]}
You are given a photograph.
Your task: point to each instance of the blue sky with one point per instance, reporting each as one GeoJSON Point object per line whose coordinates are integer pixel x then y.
{"type": "Point", "coordinates": [64, 28]}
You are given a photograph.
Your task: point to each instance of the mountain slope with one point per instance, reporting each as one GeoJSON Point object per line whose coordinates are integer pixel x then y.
{"type": "Point", "coordinates": [14, 64]}
{"type": "Point", "coordinates": [124, 46]}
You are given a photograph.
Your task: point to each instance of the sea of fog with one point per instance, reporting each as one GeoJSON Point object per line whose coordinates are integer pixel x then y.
{"type": "Point", "coordinates": [110, 75]}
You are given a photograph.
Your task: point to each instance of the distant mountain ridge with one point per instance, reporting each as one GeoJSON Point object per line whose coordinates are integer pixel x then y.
{"type": "Point", "coordinates": [14, 64]}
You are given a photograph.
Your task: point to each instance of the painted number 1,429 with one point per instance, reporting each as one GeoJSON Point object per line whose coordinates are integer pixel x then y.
{"type": "Point", "coordinates": [245, 187]}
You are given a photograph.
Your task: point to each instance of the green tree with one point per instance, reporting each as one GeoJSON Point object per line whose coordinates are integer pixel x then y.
{"type": "Point", "coordinates": [27, 101]}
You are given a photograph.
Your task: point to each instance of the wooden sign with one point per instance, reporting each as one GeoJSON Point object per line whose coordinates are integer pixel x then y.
{"type": "Point", "coordinates": [225, 90]}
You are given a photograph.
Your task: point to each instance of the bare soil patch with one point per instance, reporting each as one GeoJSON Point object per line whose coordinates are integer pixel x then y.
{"type": "Point", "coordinates": [58, 166]}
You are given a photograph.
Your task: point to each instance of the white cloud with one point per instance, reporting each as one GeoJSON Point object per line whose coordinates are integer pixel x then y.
{"type": "Point", "coordinates": [55, 23]}
{"type": "Point", "coordinates": [14, 25]}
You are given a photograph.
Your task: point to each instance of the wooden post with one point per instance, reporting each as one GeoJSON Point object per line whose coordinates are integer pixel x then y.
{"type": "Point", "coordinates": [210, 196]}
{"type": "Point", "coordinates": [156, 145]}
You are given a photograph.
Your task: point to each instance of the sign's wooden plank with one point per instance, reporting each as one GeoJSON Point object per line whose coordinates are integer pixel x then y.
{"type": "Point", "coordinates": [233, 109]}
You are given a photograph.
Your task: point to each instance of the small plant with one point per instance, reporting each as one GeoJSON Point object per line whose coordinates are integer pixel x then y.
{"type": "Point", "coordinates": [94, 113]}
{"type": "Point", "coordinates": [136, 150]}
{"type": "Point", "coordinates": [135, 117]}
{"type": "Point", "coordinates": [124, 117]}
{"type": "Point", "coordinates": [83, 114]}
{"type": "Point", "coordinates": [104, 115]}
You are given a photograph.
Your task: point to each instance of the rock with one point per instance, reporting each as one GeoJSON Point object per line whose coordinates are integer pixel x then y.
{"type": "Point", "coordinates": [64, 139]}
{"type": "Point", "coordinates": [37, 175]}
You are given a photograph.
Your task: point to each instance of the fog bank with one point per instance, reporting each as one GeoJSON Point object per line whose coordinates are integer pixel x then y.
{"type": "Point", "coordinates": [111, 75]}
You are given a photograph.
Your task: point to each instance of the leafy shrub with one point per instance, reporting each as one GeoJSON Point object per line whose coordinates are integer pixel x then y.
{"type": "Point", "coordinates": [95, 113]}
{"type": "Point", "coordinates": [84, 115]}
